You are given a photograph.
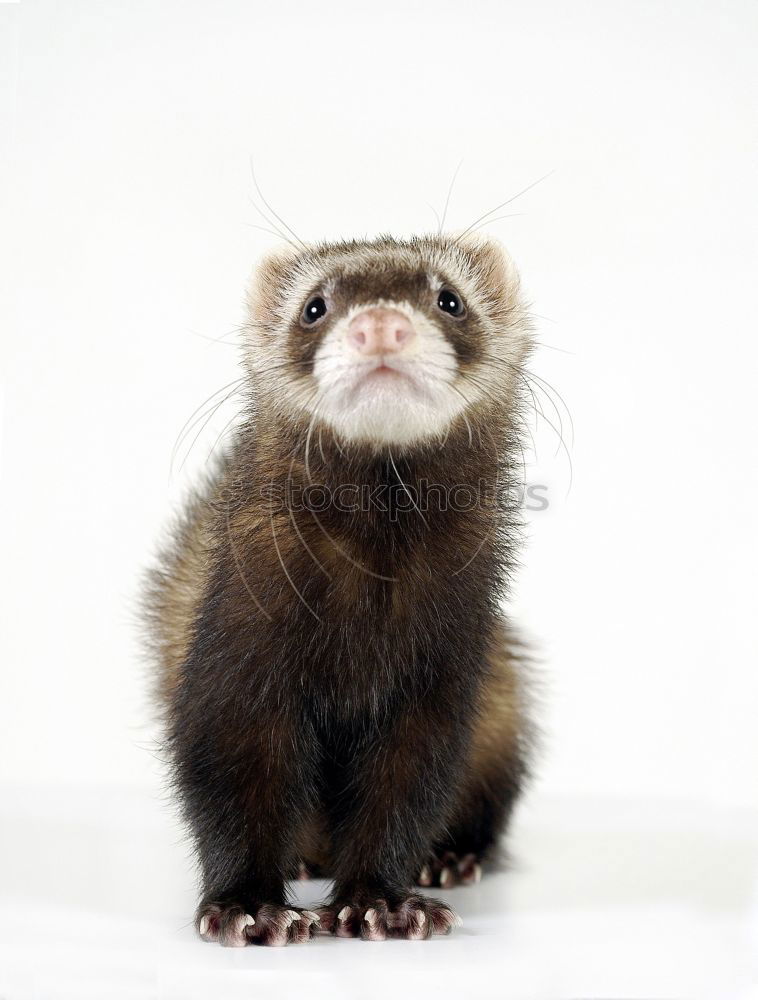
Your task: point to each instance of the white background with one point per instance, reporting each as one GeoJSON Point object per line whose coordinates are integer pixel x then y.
{"type": "Point", "coordinates": [127, 200]}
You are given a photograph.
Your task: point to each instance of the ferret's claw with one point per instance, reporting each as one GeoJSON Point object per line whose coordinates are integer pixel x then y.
{"type": "Point", "coordinates": [446, 878]}
{"type": "Point", "coordinates": [448, 869]}
{"type": "Point", "coordinates": [232, 926]}
{"type": "Point", "coordinates": [243, 923]}
{"type": "Point", "coordinates": [414, 918]}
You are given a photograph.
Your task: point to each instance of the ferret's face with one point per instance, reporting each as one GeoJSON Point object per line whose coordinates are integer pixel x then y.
{"type": "Point", "coordinates": [388, 342]}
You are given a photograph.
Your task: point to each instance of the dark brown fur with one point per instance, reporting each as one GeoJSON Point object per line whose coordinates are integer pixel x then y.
{"type": "Point", "coordinates": [339, 687]}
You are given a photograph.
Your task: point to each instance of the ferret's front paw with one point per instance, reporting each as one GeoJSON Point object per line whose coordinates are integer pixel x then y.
{"type": "Point", "coordinates": [413, 918]}
{"type": "Point", "coordinates": [234, 927]}
{"type": "Point", "coordinates": [448, 869]}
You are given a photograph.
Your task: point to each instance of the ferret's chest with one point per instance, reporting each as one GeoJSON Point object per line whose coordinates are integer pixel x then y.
{"type": "Point", "coordinates": [363, 647]}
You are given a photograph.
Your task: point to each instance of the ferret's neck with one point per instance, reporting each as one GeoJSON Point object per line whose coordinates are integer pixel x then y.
{"type": "Point", "coordinates": [423, 513]}
{"type": "Point", "coordinates": [308, 453]}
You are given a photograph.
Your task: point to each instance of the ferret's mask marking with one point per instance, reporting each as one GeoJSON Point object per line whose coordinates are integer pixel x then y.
{"type": "Point", "coordinates": [396, 398]}
{"type": "Point", "coordinates": [448, 366]}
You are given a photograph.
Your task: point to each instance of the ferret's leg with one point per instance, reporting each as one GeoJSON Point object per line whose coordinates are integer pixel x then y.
{"type": "Point", "coordinates": [246, 778]}
{"type": "Point", "coordinates": [479, 821]}
{"type": "Point", "coordinates": [496, 770]}
{"type": "Point", "coordinates": [396, 793]}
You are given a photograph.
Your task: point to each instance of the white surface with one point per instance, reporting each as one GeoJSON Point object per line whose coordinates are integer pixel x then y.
{"type": "Point", "coordinates": [124, 142]}
{"type": "Point", "coordinates": [604, 899]}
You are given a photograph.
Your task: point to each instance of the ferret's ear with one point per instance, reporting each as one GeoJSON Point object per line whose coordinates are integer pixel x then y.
{"type": "Point", "coordinates": [269, 282]}
{"type": "Point", "coordinates": [491, 257]}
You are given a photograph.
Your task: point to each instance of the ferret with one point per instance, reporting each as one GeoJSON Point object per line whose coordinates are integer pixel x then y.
{"type": "Point", "coordinates": [342, 695]}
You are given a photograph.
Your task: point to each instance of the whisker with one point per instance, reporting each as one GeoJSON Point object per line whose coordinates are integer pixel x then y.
{"type": "Point", "coordinates": [273, 212]}
{"type": "Point", "coordinates": [223, 432]}
{"type": "Point", "coordinates": [498, 218]}
{"type": "Point", "coordinates": [488, 394]}
{"type": "Point", "coordinates": [542, 386]}
{"type": "Point", "coordinates": [537, 406]}
{"type": "Point", "coordinates": [562, 444]}
{"type": "Point", "coordinates": [239, 567]}
{"type": "Point", "coordinates": [190, 422]}
{"type": "Point", "coordinates": [552, 388]}
{"type": "Point", "coordinates": [205, 423]}
{"type": "Point", "coordinates": [336, 547]}
{"type": "Point", "coordinates": [504, 203]}
{"type": "Point", "coordinates": [436, 216]}
{"type": "Point", "coordinates": [205, 402]}
{"type": "Point", "coordinates": [491, 528]}
{"type": "Point", "coordinates": [308, 447]}
{"type": "Point", "coordinates": [214, 340]}
{"type": "Point", "coordinates": [307, 547]}
{"type": "Point", "coordinates": [295, 525]}
{"type": "Point", "coordinates": [463, 413]}
{"type": "Point", "coordinates": [552, 347]}
{"type": "Point", "coordinates": [447, 200]}
{"type": "Point", "coordinates": [321, 446]}
{"type": "Point", "coordinates": [273, 232]}
{"type": "Point", "coordinates": [555, 409]}
{"type": "Point", "coordinates": [286, 571]}
{"type": "Point", "coordinates": [410, 496]}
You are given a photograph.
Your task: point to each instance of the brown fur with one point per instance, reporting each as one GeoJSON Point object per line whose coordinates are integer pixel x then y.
{"type": "Point", "coordinates": [338, 686]}
{"type": "Point", "coordinates": [174, 591]}
{"type": "Point", "coordinates": [501, 741]}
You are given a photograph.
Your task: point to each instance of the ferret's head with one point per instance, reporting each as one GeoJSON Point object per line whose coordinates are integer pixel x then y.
{"type": "Point", "coordinates": [388, 342]}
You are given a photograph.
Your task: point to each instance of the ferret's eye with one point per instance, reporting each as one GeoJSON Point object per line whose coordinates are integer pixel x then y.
{"type": "Point", "coordinates": [451, 303]}
{"type": "Point", "coordinates": [315, 308]}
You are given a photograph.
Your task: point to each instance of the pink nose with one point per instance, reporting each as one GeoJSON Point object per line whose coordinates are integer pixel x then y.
{"type": "Point", "coordinates": [380, 331]}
